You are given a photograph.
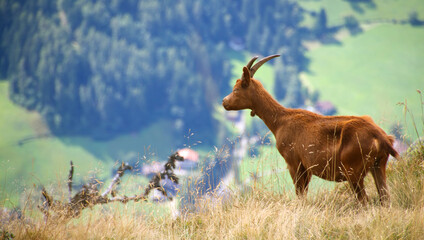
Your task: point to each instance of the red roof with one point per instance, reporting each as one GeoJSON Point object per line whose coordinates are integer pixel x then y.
{"type": "Point", "coordinates": [189, 154]}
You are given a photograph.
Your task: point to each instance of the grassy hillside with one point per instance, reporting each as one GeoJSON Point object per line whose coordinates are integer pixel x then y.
{"type": "Point", "coordinates": [374, 10]}
{"type": "Point", "coordinates": [39, 161]}
{"type": "Point", "coordinates": [27, 157]}
{"type": "Point", "coordinates": [370, 73]}
{"type": "Point", "coordinates": [257, 213]}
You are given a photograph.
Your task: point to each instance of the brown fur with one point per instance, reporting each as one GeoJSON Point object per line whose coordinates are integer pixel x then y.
{"type": "Point", "coordinates": [335, 148]}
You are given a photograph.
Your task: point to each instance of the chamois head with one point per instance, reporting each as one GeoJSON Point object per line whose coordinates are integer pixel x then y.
{"type": "Point", "coordinates": [243, 91]}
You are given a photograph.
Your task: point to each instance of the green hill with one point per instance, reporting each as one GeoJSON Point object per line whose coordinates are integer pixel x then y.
{"type": "Point", "coordinates": [373, 10]}
{"type": "Point", "coordinates": [368, 74]}
{"type": "Point", "coordinates": [28, 156]}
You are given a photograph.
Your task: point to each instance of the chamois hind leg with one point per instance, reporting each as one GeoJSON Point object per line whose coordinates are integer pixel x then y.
{"type": "Point", "coordinates": [378, 172]}
{"type": "Point", "coordinates": [359, 189]}
{"type": "Point", "coordinates": [301, 178]}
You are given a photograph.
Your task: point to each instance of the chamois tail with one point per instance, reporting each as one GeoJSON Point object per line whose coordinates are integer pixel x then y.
{"type": "Point", "coordinates": [385, 144]}
{"type": "Point", "coordinates": [389, 146]}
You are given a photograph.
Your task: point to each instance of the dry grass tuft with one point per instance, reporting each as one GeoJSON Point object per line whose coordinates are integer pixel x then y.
{"type": "Point", "coordinates": [256, 214]}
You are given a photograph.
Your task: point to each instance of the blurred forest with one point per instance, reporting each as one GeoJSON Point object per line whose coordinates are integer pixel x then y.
{"type": "Point", "coordinates": [103, 68]}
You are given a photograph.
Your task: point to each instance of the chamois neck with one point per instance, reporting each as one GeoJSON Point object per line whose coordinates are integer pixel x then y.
{"type": "Point", "coordinates": [268, 109]}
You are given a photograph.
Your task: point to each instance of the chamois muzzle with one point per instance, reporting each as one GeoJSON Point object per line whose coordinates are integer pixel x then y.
{"type": "Point", "coordinates": [225, 103]}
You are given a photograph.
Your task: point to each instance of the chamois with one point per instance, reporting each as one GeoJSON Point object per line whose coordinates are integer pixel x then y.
{"type": "Point", "coordinates": [335, 148]}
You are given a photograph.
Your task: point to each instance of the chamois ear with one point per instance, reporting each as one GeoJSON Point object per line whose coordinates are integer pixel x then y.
{"type": "Point", "coordinates": [245, 78]}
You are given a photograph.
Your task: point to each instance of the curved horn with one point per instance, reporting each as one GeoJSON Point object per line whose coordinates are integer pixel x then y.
{"type": "Point", "coordinates": [259, 64]}
{"type": "Point", "coordinates": [249, 64]}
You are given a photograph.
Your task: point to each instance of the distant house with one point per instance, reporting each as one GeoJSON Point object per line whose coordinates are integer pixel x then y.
{"type": "Point", "coordinates": [325, 107]}
{"type": "Point", "coordinates": [191, 161]}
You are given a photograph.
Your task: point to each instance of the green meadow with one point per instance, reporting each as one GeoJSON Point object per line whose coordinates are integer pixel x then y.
{"type": "Point", "coordinates": [370, 73]}
{"type": "Point", "coordinates": [30, 158]}
{"type": "Point", "coordinates": [364, 11]}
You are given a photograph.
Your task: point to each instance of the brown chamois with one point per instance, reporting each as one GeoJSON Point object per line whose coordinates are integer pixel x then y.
{"type": "Point", "coordinates": [335, 148]}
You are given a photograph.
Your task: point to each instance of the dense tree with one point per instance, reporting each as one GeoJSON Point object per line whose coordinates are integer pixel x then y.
{"type": "Point", "coordinates": [352, 25]}
{"type": "Point", "coordinates": [320, 27]}
{"type": "Point", "coordinates": [98, 67]}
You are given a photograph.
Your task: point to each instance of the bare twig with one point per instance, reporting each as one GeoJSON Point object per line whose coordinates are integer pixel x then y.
{"type": "Point", "coordinates": [167, 173]}
{"type": "Point", "coordinates": [117, 179]}
{"type": "Point", "coordinates": [47, 202]}
{"type": "Point", "coordinates": [71, 174]}
{"type": "Point", "coordinates": [89, 194]}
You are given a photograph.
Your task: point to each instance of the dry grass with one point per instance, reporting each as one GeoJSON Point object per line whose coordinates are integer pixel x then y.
{"type": "Point", "coordinates": [256, 214]}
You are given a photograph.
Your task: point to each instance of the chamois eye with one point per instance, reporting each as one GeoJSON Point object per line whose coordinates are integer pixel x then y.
{"type": "Point", "coordinates": [235, 90]}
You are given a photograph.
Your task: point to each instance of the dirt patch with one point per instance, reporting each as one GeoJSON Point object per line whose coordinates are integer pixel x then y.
{"type": "Point", "coordinates": [311, 45]}
{"type": "Point", "coordinates": [38, 124]}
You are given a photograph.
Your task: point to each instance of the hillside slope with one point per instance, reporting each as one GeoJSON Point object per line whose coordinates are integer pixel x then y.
{"type": "Point", "coordinates": [29, 156]}
{"type": "Point", "coordinates": [365, 11]}
{"type": "Point", "coordinates": [370, 73]}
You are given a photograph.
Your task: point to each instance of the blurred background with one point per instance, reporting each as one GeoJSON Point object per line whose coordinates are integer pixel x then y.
{"type": "Point", "coordinates": [103, 82]}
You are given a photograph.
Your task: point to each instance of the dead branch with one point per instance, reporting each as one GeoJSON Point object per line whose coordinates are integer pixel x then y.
{"type": "Point", "coordinates": [89, 194]}
{"type": "Point", "coordinates": [117, 179]}
{"type": "Point", "coordinates": [167, 173]}
{"type": "Point", "coordinates": [71, 174]}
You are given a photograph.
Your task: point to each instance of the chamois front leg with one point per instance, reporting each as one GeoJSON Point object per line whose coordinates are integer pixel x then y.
{"type": "Point", "coordinates": [301, 178]}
